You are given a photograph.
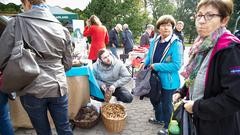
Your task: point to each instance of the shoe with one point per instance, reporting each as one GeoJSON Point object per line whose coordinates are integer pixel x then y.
{"type": "Point", "coordinates": [163, 131]}
{"type": "Point", "coordinates": [154, 121]}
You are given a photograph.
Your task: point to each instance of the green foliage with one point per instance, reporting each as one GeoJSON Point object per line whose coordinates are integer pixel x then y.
{"type": "Point", "coordinates": [185, 12]}
{"type": "Point", "coordinates": [162, 7]}
{"type": "Point", "coordinates": [9, 8]}
{"type": "Point", "coordinates": [235, 15]}
{"type": "Point", "coordinates": [112, 12]}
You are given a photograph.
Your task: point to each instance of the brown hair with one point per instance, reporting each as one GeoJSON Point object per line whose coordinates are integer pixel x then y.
{"type": "Point", "coordinates": [94, 20]}
{"type": "Point", "coordinates": [164, 19]}
{"type": "Point", "coordinates": [224, 7]}
{"type": "Point", "coordinates": [100, 52]}
{"type": "Point", "coordinates": [34, 2]}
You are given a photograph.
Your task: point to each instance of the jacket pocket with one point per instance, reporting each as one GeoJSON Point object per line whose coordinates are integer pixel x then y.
{"type": "Point", "coordinates": [170, 79]}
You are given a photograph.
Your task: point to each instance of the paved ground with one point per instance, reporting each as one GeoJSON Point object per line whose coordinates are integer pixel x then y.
{"type": "Point", "coordinates": [139, 111]}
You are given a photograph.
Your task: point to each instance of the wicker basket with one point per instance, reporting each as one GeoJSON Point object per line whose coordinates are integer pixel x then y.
{"type": "Point", "coordinates": [113, 125]}
{"type": "Point", "coordinates": [86, 124]}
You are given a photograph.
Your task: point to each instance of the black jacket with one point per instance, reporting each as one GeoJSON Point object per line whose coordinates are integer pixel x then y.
{"type": "Point", "coordinates": [217, 113]}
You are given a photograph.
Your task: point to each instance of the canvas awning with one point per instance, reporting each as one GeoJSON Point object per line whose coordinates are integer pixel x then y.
{"type": "Point", "coordinates": [62, 14]}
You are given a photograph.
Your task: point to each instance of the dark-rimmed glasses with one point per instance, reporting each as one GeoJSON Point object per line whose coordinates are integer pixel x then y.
{"type": "Point", "coordinates": [207, 16]}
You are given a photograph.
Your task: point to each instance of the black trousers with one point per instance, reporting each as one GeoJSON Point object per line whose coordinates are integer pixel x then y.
{"type": "Point", "coordinates": [122, 94]}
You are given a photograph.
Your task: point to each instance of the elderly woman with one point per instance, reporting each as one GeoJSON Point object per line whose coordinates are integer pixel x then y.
{"type": "Point", "coordinates": [98, 34]}
{"type": "Point", "coordinates": [164, 58]}
{"type": "Point", "coordinates": [213, 72]}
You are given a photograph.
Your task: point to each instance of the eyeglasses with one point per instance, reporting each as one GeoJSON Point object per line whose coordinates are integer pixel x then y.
{"type": "Point", "coordinates": [207, 16]}
{"type": "Point", "coordinates": [166, 25]}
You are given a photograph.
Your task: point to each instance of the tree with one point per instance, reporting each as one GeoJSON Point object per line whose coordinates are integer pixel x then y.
{"type": "Point", "coordinates": [185, 12]}
{"type": "Point", "coordinates": [161, 7]}
{"type": "Point", "coordinates": [112, 12]}
{"type": "Point", "coordinates": [235, 15]}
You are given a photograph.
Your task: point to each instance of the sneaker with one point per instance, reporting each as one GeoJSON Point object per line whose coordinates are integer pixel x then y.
{"type": "Point", "coordinates": [163, 131]}
{"type": "Point", "coordinates": [154, 121]}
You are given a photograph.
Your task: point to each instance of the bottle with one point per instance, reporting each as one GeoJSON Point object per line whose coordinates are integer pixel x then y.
{"type": "Point", "coordinates": [174, 128]}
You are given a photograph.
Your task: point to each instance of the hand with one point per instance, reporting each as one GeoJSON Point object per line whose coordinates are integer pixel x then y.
{"type": "Point", "coordinates": [188, 106]}
{"type": "Point", "coordinates": [88, 22]}
{"type": "Point", "coordinates": [176, 96]}
{"type": "Point", "coordinates": [142, 65]}
{"type": "Point", "coordinates": [112, 88]}
{"type": "Point", "coordinates": [108, 95]}
{"type": "Point", "coordinates": [103, 87]}
{"type": "Point", "coordinates": [152, 66]}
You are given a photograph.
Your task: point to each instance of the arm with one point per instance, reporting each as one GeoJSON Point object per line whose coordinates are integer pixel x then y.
{"type": "Point", "coordinates": [106, 37]}
{"type": "Point", "coordinates": [67, 52]}
{"type": "Point", "coordinates": [87, 31]}
{"type": "Point", "coordinates": [176, 59]}
{"type": "Point", "coordinates": [96, 75]}
{"type": "Point", "coordinates": [227, 101]}
{"type": "Point", "coordinates": [7, 41]}
{"type": "Point", "coordinates": [147, 60]}
{"type": "Point", "coordinates": [124, 76]}
{"type": "Point", "coordinates": [111, 38]}
{"type": "Point", "coordinates": [144, 40]}
{"type": "Point", "coordinates": [124, 38]}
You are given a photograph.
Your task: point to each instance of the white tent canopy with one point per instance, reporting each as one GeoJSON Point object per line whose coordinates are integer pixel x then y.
{"type": "Point", "coordinates": [81, 4]}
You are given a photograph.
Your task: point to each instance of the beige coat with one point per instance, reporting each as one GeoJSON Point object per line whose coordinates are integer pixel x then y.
{"type": "Point", "coordinates": [44, 32]}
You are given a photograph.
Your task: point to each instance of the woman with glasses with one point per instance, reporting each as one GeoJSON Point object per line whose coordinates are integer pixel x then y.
{"type": "Point", "coordinates": [213, 72]}
{"type": "Point", "coordinates": [164, 58]}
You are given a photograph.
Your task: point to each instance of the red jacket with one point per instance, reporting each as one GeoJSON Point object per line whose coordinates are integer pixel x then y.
{"type": "Point", "coordinates": [99, 36]}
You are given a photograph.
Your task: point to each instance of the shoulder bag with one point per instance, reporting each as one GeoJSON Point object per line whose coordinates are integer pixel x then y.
{"type": "Point", "coordinates": [21, 68]}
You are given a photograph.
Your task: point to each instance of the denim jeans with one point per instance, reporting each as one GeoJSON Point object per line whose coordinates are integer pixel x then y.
{"type": "Point", "coordinates": [164, 109]}
{"type": "Point", "coordinates": [37, 112]}
{"type": "Point", "coordinates": [5, 122]}
{"type": "Point", "coordinates": [114, 51]}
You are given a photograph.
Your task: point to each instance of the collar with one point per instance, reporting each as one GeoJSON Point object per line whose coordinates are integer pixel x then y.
{"type": "Point", "coordinates": [40, 6]}
{"type": "Point", "coordinates": [167, 39]}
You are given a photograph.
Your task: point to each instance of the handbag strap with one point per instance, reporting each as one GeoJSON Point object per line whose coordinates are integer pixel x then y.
{"type": "Point", "coordinates": [166, 49]}
{"type": "Point", "coordinates": [19, 36]}
{"type": "Point", "coordinates": [18, 33]}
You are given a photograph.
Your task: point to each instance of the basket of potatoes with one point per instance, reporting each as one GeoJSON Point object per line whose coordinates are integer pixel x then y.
{"type": "Point", "coordinates": [114, 117]}
{"type": "Point", "coordinates": [87, 117]}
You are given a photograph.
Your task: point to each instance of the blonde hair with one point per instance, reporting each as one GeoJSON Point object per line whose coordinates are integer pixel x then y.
{"type": "Point", "coordinates": [94, 20]}
{"type": "Point", "coordinates": [34, 2]}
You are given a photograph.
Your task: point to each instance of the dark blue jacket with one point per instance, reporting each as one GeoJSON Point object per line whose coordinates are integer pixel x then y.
{"type": "Point", "coordinates": [127, 39]}
{"type": "Point", "coordinates": [113, 37]}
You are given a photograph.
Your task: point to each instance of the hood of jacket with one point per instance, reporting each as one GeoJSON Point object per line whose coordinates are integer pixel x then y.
{"type": "Point", "coordinates": [40, 13]}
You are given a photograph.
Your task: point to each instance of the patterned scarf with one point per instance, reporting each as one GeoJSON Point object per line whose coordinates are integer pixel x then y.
{"type": "Point", "coordinates": [198, 52]}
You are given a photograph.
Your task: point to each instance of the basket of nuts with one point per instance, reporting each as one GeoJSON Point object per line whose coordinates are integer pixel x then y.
{"type": "Point", "coordinates": [87, 117]}
{"type": "Point", "coordinates": [114, 117]}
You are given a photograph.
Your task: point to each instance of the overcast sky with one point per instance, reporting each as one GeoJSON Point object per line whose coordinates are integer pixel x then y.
{"type": "Point", "coordinates": [81, 4]}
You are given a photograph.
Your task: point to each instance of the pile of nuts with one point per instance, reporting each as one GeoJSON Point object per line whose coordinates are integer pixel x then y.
{"type": "Point", "coordinates": [86, 114]}
{"type": "Point", "coordinates": [113, 111]}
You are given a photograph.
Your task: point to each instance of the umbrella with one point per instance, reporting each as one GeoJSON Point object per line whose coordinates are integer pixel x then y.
{"type": "Point", "coordinates": [81, 4]}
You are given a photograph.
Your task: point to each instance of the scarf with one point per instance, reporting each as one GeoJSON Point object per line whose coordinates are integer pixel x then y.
{"type": "Point", "coordinates": [198, 52]}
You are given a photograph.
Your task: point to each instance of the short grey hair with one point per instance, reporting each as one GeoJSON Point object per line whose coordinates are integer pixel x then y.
{"type": "Point", "coordinates": [150, 26]}
{"type": "Point", "coordinates": [125, 26]}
